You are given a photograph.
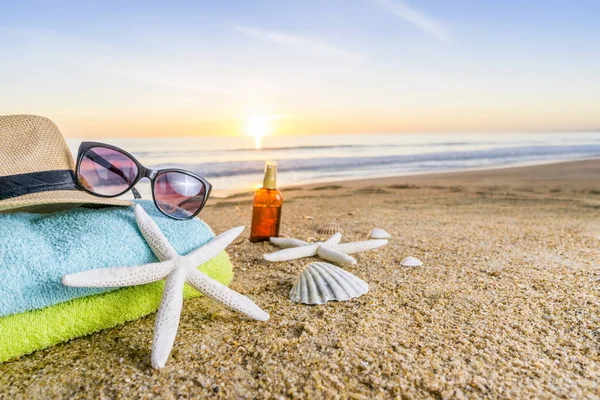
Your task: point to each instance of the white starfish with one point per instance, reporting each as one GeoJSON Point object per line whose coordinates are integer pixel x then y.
{"type": "Point", "coordinates": [177, 269]}
{"type": "Point", "coordinates": [330, 250]}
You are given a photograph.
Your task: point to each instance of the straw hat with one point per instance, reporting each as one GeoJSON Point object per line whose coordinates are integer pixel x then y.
{"type": "Point", "coordinates": [37, 168]}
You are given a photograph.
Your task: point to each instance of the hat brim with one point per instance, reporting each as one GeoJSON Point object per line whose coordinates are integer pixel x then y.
{"type": "Point", "coordinates": [73, 197]}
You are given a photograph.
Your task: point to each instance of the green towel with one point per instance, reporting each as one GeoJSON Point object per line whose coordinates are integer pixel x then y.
{"type": "Point", "coordinates": [38, 329]}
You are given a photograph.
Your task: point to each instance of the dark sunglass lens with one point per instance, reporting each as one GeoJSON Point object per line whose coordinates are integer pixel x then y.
{"type": "Point", "coordinates": [106, 172]}
{"type": "Point", "coordinates": [179, 195]}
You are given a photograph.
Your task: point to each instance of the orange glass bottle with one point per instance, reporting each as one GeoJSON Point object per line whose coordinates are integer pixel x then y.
{"type": "Point", "coordinates": [266, 214]}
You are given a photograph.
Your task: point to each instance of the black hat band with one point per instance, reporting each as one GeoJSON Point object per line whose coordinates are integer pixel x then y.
{"type": "Point", "coordinates": [35, 182]}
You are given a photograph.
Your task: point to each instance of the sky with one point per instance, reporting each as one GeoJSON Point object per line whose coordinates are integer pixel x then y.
{"type": "Point", "coordinates": [146, 68]}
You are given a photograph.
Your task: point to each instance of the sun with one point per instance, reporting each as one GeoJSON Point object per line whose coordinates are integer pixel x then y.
{"type": "Point", "coordinates": [258, 125]}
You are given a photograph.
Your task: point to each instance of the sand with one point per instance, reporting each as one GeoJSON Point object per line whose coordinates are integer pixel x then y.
{"type": "Point", "coordinates": [506, 304]}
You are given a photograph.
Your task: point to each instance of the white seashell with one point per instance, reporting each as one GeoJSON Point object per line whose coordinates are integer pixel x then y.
{"type": "Point", "coordinates": [378, 233]}
{"type": "Point", "coordinates": [411, 262]}
{"type": "Point", "coordinates": [321, 282]}
{"type": "Point", "coordinates": [330, 229]}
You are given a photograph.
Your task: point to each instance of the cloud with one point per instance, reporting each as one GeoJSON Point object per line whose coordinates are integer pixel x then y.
{"type": "Point", "coordinates": [286, 39]}
{"type": "Point", "coordinates": [110, 64]}
{"type": "Point", "coordinates": [415, 17]}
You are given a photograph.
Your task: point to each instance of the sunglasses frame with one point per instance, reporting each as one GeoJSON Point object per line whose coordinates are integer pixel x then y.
{"type": "Point", "coordinates": [143, 172]}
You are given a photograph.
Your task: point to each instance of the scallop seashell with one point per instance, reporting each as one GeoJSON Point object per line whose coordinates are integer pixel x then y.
{"type": "Point", "coordinates": [378, 233]}
{"type": "Point", "coordinates": [411, 262]}
{"type": "Point", "coordinates": [321, 282]}
{"type": "Point", "coordinates": [330, 229]}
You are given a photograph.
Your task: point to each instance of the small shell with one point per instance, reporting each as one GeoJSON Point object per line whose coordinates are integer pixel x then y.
{"type": "Point", "coordinates": [330, 229]}
{"type": "Point", "coordinates": [378, 233]}
{"type": "Point", "coordinates": [321, 282]}
{"type": "Point", "coordinates": [411, 262]}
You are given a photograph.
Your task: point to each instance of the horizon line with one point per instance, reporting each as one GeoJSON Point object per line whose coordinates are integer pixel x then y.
{"type": "Point", "coordinates": [580, 130]}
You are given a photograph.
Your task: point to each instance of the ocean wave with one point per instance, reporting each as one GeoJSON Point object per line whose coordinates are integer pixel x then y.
{"type": "Point", "coordinates": [335, 148]}
{"type": "Point", "coordinates": [433, 159]}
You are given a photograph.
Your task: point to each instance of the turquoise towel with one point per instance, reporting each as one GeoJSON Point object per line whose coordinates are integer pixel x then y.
{"type": "Point", "coordinates": [36, 250]}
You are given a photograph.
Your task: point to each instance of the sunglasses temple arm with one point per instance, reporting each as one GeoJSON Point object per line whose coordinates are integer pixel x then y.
{"type": "Point", "coordinates": [136, 194]}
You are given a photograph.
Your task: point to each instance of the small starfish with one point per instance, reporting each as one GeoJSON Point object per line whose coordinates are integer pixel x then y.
{"type": "Point", "coordinates": [178, 270]}
{"type": "Point", "coordinates": [330, 250]}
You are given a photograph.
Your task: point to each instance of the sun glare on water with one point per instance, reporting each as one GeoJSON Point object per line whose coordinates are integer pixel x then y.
{"type": "Point", "coordinates": [257, 126]}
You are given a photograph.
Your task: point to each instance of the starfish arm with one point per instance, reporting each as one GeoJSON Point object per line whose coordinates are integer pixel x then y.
{"type": "Point", "coordinates": [335, 256]}
{"type": "Point", "coordinates": [357, 247]}
{"type": "Point", "coordinates": [119, 276]}
{"type": "Point", "coordinates": [167, 319]}
{"type": "Point", "coordinates": [286, 243]}
{"type": "Point", "coordinates": [334, 239]}
{"type": "Point", "coordinates": [293, 253]}
{"type": "Point", "coordinates": [221, 293]}
{"type": "Point", "coordinates": [209, 250]}
{"type": "Point", "coordinates": [153, 235]}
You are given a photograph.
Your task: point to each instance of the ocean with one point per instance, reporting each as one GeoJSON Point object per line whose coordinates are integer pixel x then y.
{"type": "Point", "coordinates": [233, 164]}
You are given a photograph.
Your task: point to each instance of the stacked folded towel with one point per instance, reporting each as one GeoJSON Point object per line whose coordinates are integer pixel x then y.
{"type": "Point", "coordinates": [37, 311]}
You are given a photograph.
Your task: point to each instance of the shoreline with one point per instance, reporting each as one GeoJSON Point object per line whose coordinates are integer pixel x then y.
{"type": "Point", "coordinates": [420, 176]}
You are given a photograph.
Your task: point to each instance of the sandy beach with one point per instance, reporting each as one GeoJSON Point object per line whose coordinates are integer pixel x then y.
{"type": "Point", "coordinates": [505, 306]}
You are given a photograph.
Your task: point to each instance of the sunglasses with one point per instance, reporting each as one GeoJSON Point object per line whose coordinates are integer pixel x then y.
{"type": "Point", "coordinates": [107, 171]}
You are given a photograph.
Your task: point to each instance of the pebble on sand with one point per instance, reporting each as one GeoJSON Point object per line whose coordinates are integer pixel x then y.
{"type": "Point", "coordinates": [411, 262]}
